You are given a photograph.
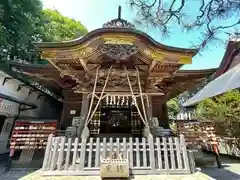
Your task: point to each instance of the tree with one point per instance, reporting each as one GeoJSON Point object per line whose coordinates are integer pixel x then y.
{"type": "Point", "coordinates": [173, 108]}
{"type": "Point", "coordinates": [211, 17]}
{"type": "Point", "coordinates": [19, 21]}
{"type": "Point", "coordinates": [57, 27]}
{"type": "Point", "coordinates": [224, 111]}
{"type": "Point", "coordinates": [24, 22]}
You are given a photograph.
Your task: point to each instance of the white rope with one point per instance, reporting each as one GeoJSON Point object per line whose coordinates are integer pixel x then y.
{"type": "Point", "coordinates": [141, 97]}
{"type": "Point", "coordinates": [93, 94]}
{"type": "Point", "coordinates": [148, 104]}
{"type": "Point", "coordinates": [100, 98]}
{"type": "Point", "coordinates": [134, 98]}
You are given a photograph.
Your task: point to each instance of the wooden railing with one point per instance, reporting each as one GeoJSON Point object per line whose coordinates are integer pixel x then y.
{"type": "Point", "coordinates": [165, 155]}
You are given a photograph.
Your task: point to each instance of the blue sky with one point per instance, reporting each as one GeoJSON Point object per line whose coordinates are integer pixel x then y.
{"type": "Point", "coordinates": [94, 13]}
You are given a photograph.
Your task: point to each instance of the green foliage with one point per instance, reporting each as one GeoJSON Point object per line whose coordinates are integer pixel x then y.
{"type": "Point", "coordinates": [23, 22]}
{"type": "Point", "coordinates": [224, 110]}
{"type": "Point", "coordinates": [19, 21]}
{"type": "Point", "coordinates": [60, 28]}
{"type": "Point", "coordinates": [173, 108]}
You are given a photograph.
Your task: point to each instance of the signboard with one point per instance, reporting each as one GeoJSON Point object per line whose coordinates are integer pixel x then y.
{"type": "Point", "coordinates": [114, 168]}
{"type": "Point", "coordinates": [72, 111]}
{"type": "Point", "coordinates": [6, 106]}
{"type": "Point", "coordinates": [77, 120]}
{"type": "Point", "coordinates": [32, 134]}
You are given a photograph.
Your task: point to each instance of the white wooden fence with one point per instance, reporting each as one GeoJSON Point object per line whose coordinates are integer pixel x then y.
{"type": "Point", "coordinates": [165, 155]}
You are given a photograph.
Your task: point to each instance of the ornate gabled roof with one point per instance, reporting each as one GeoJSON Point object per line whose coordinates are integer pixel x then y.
{"type": "Point", "coordinates": [118, 31]}
{"type": "Point", "coordinates": [117, 45]}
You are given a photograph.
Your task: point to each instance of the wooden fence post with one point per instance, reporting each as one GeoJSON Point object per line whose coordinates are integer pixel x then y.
{"type": "Point", "coordinates": [54, 153]}
{"type": "Point", "coordinates": [131, 152]}
{"type": "Point", "coordinates": [137, 152]}
{"type": "Point", "coordinates": [47, 153]}
{"type": "Point", "coordinates": [68, 153]}
{"type": "Point", "coordinates": [178, 150]}
{"type": "Point", "coordinates": [89, 152]}
{"type": "Point", "coordinates": [61, 153]}
{"type": "Point", "coordinates": [159, 153]}
{"type": "Point", "coordinates": [151, 152]}
{"type": "Point", "coordinates": [172, 155]}
{"type": "Point", "coordinates": [75, 150]}
{"type": "Point", "coordinates": [184, 151]}
{"type": "Point", "coordinates": [82, 155]}
{"type": "Point", "coordinates": [191, 161]}
{"type": "Point", "coordinates": [165, 151]}
{"type": "Point", "coordinates": [144, 152]}
{"type": "Point", "coordinates": [98, 151]}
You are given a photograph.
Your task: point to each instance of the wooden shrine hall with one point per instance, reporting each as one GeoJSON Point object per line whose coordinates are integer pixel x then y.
{"type": "Point", "coordinates": [111, 64]}
{"type": "Point", "coordinates": [117, 79]}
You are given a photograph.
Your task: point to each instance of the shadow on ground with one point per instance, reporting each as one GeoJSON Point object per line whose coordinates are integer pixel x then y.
{"type": "Point", "coordinates": [230, 169]}
{"type": "Point", "coordinates": [221, 174]}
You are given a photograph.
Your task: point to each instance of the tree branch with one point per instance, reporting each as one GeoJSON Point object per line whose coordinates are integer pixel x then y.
{"type": "Point", "coordinates": [212, 16]}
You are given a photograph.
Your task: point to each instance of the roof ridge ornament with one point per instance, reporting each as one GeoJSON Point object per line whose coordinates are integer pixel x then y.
{"type": "Point", "coordinates": [119, 22]}
{"type": "Point", "coordinates": [119, 12]}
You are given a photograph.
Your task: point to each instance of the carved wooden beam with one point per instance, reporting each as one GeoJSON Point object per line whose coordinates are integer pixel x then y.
{"type": "Point", "coordinates": [126, 93]}
{"type": "Point", "coordinates": [152, 66]}
{"type": "Point", "coordinates": [161, 74]}
{"type": "Point", "coordinates": [83, 64]}
{"type": "Point", "coordinates": [54, 64]}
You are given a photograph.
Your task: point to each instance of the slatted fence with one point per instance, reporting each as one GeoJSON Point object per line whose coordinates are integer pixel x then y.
{"type": "Point", "coordinates": [165, 155]}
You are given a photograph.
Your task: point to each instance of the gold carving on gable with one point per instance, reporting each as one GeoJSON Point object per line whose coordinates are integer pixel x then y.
{"type": "Point", "coordinates": [48, 55]}
{"type": "Point", "coordinates": [185, 60]}
{"type": "Point", "coordinates": [155, 55]}
{"type": "Point", "coordinates": [118, 39]}
{"type": "Point", "coordinates": [83, 52]}
{"type": "Point", "coordinates": [158, 55]}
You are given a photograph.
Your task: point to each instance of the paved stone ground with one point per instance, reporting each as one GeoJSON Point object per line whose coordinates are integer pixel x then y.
{"type": "Point", "coordinates": [196, 176]}
{"type": "Point", "coordinates": [36, 175]}
{"type": "Point", "coordinates": [230, 171]}
{"type": "Point", "coordinates": [13, 174]}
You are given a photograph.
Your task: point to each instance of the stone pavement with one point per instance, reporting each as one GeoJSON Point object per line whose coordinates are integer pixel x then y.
{"type": "Point", "coordinates": [230, 171]}
{"type": "Point", "coordinates": [196, 176]}
{"type": "Point", "coordinates": [36, 175]}
{"type": "Point", "coordinates": [13, 174]}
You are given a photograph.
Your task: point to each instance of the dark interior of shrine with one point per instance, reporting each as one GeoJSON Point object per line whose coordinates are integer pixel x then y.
{"type": "Point", "coordinates": [116, 120]}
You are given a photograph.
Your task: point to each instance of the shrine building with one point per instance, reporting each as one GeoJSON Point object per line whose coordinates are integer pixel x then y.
{"type": "Point", "coordinates": [114, 83]}
{"type": "Point", "coordinates": [116, 77]}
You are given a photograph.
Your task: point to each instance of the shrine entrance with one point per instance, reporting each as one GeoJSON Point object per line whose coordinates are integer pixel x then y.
{"type": "Point", "coordinates": [116, 120]}
{"type": "Point", "coordinates": [116, 114]}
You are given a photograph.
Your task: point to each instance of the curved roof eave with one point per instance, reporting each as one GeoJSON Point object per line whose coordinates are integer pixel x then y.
{"type": "Point", "coordinates": [201, 71]}
{"type": "Point", "coordinates": [113, 30]}
{"type": "Point", "coordinates": [227, 59]}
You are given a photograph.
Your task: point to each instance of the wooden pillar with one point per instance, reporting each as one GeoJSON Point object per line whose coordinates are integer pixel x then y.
{"type": "Point", "coordinates": [83, 114]}
{"type": "Point", "coordinates": [85, 104]}
{"type": "Point", "coordinates": [165, 116]}
{"type": "Point", "coordinates": [67, 117]}
{"type": "Point", "coordinates": [159, 110]}
{"type": "Point", "coordinates": [71, 102]}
